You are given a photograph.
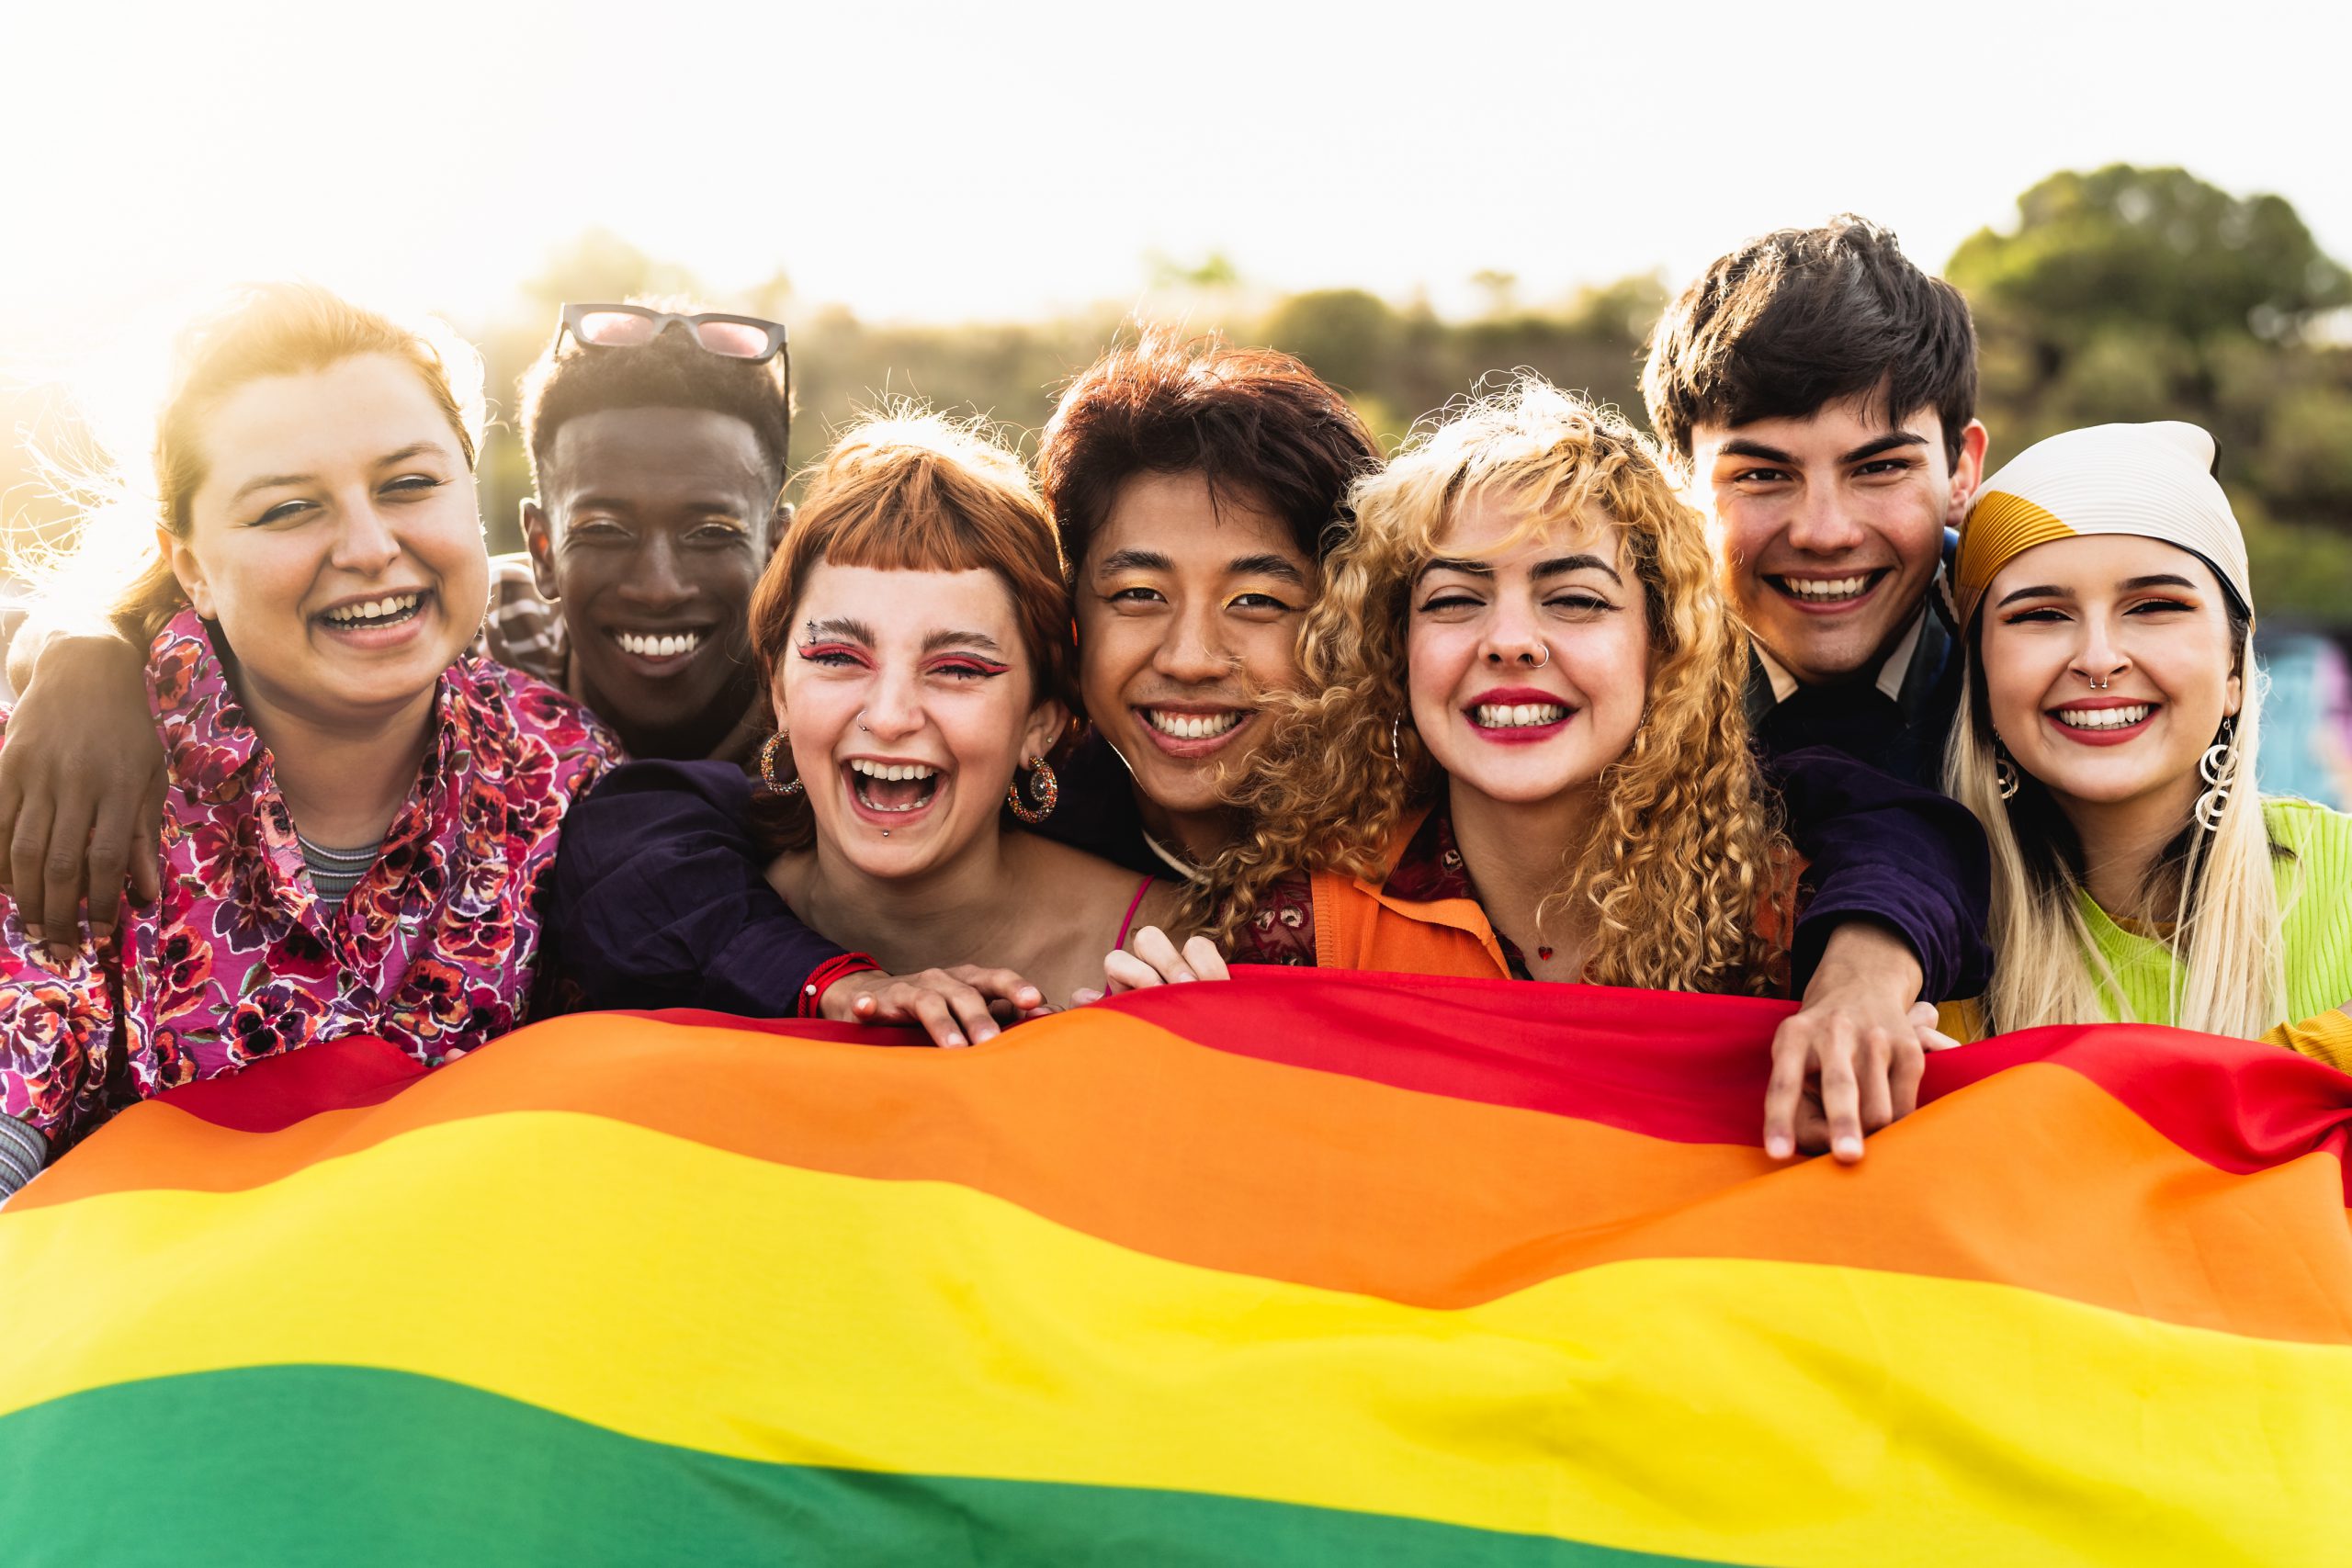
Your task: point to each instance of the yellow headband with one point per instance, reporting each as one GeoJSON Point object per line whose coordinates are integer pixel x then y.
{"type": "Point", "coordinates": [2151, 480]}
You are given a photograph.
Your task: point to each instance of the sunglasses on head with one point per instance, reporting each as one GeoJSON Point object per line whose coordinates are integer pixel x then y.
{"type": "Point", "coordinates": [630, 326]}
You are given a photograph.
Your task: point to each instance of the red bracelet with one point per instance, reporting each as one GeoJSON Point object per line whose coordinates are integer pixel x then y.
{"type": "Point", "coordinates": [820, 980]}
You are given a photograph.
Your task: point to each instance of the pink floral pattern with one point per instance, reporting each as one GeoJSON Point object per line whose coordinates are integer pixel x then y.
{"type": "Point", "coordinates": [435, 951]}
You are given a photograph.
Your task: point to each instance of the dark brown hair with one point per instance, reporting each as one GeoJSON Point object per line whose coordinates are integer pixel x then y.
{"type": "Point", "coordinates": [1804, 318]}
{"type": "Point", "coordinates": [1251, 420]}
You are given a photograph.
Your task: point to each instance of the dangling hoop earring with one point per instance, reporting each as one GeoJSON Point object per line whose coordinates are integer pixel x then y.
{"type": "Point", "coordinates": [2006, 777]}
{"type": "Point", "coordinates": [768, 754]}
{"type": "Point", "coordinates": [1045, 793]}
{"type": "Point", "coordinates": [1396, 734]}
{"type": "Point", "coordinates": [2219, 769]}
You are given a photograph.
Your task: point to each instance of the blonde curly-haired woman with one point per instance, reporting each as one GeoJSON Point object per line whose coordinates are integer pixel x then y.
{"type": "Point", "coordinates": [1520, 751]}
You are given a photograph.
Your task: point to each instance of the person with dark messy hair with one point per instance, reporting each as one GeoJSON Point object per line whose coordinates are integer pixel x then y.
{"type": "Point", "coordinates": [1197, 486]}
{"type": "Point", "coordinates": [1819, 392]}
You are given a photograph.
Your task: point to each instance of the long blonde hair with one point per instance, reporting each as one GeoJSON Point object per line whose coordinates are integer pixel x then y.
{"type": "Point", "coordinates": [115, 564]}
{"type": "Point", "coordinates": [1683, 851]}
{"type": "Point", "coordinates": [2231, 977]}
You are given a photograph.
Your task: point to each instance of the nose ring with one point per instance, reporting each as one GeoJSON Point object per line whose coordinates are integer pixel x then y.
{"type": "Point", "coordinates": [861, 720]}
{"type": "Point", "coordinates": [1538, 663]}
{"type": "Point", "coordinates": [2097, 685]}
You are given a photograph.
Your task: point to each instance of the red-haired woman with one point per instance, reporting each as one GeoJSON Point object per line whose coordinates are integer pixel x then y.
{"type": "Point", "coordinates": [914, 631]}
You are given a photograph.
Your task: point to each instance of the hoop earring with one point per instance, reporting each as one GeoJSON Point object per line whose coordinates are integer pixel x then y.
{"type": "Point", "coordinates": [2219, 769]}
{"type": "Point", "coordinates": [2006, 777]}
{"type": "Point", "coordinates": [769, 782]}
{"type": "Point", "coordinates": [1045, 793]}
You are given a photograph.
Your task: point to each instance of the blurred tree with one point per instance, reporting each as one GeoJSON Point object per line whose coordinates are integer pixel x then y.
{"type": "Point", "coordinates": [2139, 294]}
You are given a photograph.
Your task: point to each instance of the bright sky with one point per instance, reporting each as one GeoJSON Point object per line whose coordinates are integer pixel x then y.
{"type": "Point", "coordinates": [964, 161]}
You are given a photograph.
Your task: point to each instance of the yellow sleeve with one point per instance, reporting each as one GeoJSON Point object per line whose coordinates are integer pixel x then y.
{"type": "Point", "coordinates": [1964, 1021]}
{"type": "Point", "coordinates": [2325, 1038]}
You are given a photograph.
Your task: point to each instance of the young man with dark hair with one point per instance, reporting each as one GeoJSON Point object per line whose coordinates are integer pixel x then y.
{"type": "Point", "coordinates": [1820, 392]}
{"type": "Point", "coordinates": [658, 447]}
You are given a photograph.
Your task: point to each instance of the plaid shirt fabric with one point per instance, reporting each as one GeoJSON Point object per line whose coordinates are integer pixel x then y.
{"type": "Point", "coordinates": [522, 630]}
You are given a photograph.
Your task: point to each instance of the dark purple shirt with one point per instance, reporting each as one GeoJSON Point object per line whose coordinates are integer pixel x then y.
{"type": "Point", "coordinates": [663, 900]}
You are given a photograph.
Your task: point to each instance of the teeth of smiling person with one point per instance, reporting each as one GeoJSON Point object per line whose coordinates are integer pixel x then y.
{"type": "Point", "coordinates": [1826, 588]}
{"type": "Point", "coordinates": [890, 772]}
{"type": "Point", "coordinates": [375, 609]}
{"type": "Point", "coordinates": [1519, 716]}
{"type": "Point", "coordinates": [658, 647]}
{"type": "Point", "coordinates": [2106, 718]}
{"type": "Point", "coordinates": [1192, 726]}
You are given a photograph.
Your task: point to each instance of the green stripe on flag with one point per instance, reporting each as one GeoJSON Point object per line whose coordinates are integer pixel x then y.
{"type": "Point", "coordinates": [357, 1467]}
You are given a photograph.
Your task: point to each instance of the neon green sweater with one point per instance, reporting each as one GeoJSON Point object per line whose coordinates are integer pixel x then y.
{"type": "Point", "coordinates": [2314, 891]}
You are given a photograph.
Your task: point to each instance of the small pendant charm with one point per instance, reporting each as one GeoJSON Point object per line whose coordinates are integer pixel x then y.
{"type": "Point", "coordinates": [1543, 952]}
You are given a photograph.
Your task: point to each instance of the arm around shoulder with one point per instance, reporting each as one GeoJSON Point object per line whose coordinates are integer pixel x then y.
{"type": "Point", "coordinates": [662, 899]}
{"type": "Point", "coordinates": [1888, 851]}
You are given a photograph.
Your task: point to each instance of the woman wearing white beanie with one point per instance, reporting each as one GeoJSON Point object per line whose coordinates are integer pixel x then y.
{"type": "Point", "coordinates": [2108, 740]}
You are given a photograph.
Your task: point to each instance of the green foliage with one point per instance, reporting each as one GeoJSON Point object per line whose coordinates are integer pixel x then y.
{"type": "Point", "coordinates": [2140, 294]}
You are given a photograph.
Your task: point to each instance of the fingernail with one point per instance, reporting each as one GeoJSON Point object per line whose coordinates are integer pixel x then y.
{"type": "Point", "coordinates": [981, 1036]}
{"type": "Point", "coordinates": [1031, 997]}
{"type": "Point", "coordinates": [953, 1041]}
{"type": "Point", "coordinates": [36, 933]}
{"type": "Point", "coordinates": [1181, 976]}
{"type": "Point", "coordinates": [1849, 1148]}
{"type": "Point", "coordinates": [1778, 1149]}
{"type": "Point", "coordinates": [99, 934]}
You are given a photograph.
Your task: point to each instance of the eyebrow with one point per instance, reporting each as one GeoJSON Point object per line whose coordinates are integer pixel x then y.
{"type": "Point", "coordinates": [1741, 446]}
{"type": "Point", "coordinates": [2129, 585]}
{"type": "Point", "coordinates": [841, 627]}
{"type": "Point", "coordinates": [1558, 566]}
{"type": "Point", "coordinates": [694, 506]}
{"type": "Point", "coordinates": [273, 481]}
{"type": "Point", "coordinates": [979, 641]}
{"type": "Point", "coordinates": [1268, 565]}
{"type": "Point", "coordinates": [1891, 441]}
{"type": "Point", "coordinates": [1133, 561]}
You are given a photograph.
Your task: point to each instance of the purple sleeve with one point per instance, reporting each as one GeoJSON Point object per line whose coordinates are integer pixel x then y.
{"type": "Point", "coordinates": [662, 899]}
{"type": "Point", "coordinates": [1882, 850]}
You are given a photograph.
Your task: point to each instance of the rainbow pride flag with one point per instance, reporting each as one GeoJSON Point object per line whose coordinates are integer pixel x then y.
{"type": "Point", "coordinates": [1297, 1269]}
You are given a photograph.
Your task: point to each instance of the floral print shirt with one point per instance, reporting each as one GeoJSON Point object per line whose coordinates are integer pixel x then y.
{"type": "Point", "coordinates": [433, 951]}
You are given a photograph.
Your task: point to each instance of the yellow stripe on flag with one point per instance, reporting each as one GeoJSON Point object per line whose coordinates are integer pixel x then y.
{"type": "Point", "coordinates": [780, 1315]}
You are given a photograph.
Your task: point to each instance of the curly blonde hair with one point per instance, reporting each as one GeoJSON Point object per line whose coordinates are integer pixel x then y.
{"type": "Point", "coordinates": [1684, 852]}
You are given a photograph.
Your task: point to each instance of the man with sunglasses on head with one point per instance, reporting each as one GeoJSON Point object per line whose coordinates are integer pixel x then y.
{"type": "Point", "coordinates": [657, 442]}
{"type": "Point", "coordinates": [658, 445]}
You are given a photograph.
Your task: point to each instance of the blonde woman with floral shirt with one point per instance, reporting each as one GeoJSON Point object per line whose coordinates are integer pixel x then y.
{"type": "Point", "coordinates": [357, 817]}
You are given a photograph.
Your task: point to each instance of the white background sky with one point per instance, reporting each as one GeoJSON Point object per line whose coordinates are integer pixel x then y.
{"type": "Point", "coordinates": [999, 161]}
